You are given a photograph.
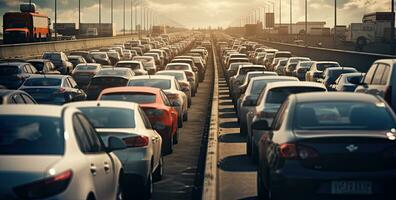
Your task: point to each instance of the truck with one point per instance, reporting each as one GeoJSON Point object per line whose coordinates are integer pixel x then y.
{"type": "Point", "coordinates": [95, 29]}
{"type": "Point", "coordinates": [158, 30]}
{"type": "Point", "coordinates": [373, 28]}
{"type": "Point", "coordinates": [26, 25]}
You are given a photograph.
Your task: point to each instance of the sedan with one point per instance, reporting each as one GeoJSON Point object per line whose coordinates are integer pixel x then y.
{"type": "Point", "coordinates": [12, 75]}
{"type": "Point", "coordinates": [328, 146]}
{"type": "Point", "coordinates": [181, 77]}
{"type": "Point", "coordinates": [55, 89]}
{"type": "Point", "coordinates": [51, 152]}
{"type": "Point", "coordinates": [83, 73]}
{"type": "Point", "coordinates": [15, 97]}
{"type": "Point", "coordinates": [141, 160]}
{"type": "Point", "coordinates": [347, 82]}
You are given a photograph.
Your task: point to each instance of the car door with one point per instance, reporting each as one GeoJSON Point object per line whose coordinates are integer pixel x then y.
{"type": "Point", "coordinates": [367, 80]}
{"type": "Point", "coordinates": [101, 165]}
{"type": "Point", "coordinates": [376, 87]}
{"type": "Point", "coordinates": [28, 99]}
{"type": "Point", "coordinates": [155, 137]}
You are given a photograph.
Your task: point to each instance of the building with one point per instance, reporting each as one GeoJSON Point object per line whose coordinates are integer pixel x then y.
{"type": "Point", "coordinates": [299, 27]}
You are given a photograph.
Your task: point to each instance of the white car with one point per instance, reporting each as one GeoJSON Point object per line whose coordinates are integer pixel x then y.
{"type": "Point", "coordinates": [141, 160]}
{"type": "Point", "coordinates": [53, 152]}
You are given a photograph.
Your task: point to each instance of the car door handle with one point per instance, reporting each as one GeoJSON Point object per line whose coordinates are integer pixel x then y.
{"type": "Point", "coordinates": [106, 167]}
{"type": "Point", "coordinates": [93, 169]}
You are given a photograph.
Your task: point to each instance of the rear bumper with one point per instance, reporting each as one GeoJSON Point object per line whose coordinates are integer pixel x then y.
{"type": "Point", "coordinates": [302, 182]}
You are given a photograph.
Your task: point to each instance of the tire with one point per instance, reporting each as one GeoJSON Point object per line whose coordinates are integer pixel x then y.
{"type": "Point", "coordinates": [120, 191]}
{"type": "Point", "coordinates": [180, 121]}
{"type": "Point", "coordinates": [189, 102]}
{"type": "Point", "coordinates": [185, 116]}
{"type": "Point", "coordinates": [254, 153]}
{"type": "Point", "coordinates": [159, 172]}
{"type": "Point", "coordinates": [148, 188]}
{"type": "Point", "coordinates": [169, 146]}
{"type": "Point", "coordinates": [176, 137]}
{"type": "Point", "coordinates": [248, 147]}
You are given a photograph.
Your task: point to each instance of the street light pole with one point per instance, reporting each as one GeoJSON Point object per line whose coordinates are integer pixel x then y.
{"type": "Point", "coordinates": [291, 17]}
{"type": "Point", "coordinates": [335, 23]}
{"type": "Point", "coordinates": [124, 17]}
{"type": "Point", "coordinates": [280, 13]}
{"type": "Point", "coordinates": [131, 16]}
{"type": "Point", "coordinates": [393, 45]}
{"type": "Point", "coordinates": [100, 17]}
{"type": "Point", "coordinates": [79, 15]}
{"type": "Point", "coordinates": [56, 20]}
{"type": "Point", "coordinates": [306, 22]}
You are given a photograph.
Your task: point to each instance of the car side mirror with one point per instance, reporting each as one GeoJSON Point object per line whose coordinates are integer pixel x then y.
{"type": "Point", "coordinates": [175, 104]}
{"type": "Point", "coordinates": [115, 143]}
{"type": "Point", "coordinates": [261, 125]}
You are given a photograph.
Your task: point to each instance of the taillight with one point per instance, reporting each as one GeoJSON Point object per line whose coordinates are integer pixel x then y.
{"type": "Point", "coordinates": [172, 96]}
{"type": "Point", "coordinates": [293, 151]}
{"type": "Point", "coordinates": [45, 188]}
{"type": "Point", "coordinates": [137, 141]}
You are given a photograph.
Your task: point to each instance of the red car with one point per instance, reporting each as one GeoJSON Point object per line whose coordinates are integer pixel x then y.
{"type": "Point", "coordinates": [154, 102]}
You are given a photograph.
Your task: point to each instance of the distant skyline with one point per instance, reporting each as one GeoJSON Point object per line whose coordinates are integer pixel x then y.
{"type": "Point", "coordinates": [204, 13]}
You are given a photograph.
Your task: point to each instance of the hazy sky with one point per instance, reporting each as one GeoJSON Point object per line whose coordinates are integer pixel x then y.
{"type": "Point", "coordinates": [202, 13]}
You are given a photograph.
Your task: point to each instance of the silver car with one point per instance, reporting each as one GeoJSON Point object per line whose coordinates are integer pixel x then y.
{"type": "Point", "coordinates": [53, 152]}
{"type": "Point", "coordinates": [141, 160]}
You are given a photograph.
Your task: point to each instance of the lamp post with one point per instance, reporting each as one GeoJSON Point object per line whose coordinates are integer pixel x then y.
{"type": "Point", "coordinates": [79, 14]}
{"type": "Point", "coordinates": [56, 20]}
{"type": "Point", "coordinates": [306, 22]}
{"type": "Point", "coordinates": [124, 18]}
{"type": "Point", "coordinates": [393, 45]}
{"type": "Point", "coordinates": [291, 17]}
{"type": "Point", "coordinates": [100, 17]}
{"type": "Point", "coordinates": [335, 23]}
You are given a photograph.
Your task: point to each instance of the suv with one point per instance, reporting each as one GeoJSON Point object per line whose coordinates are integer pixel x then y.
{"type": "Point", "coordinates": [380, 80]}
{"type": "Point", "coordinates": [60, 60]}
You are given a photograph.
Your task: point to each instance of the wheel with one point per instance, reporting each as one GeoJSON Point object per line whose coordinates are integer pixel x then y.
{"type": "Point", "coordinates": [262, 192]}
{"type": "Point", "coordinates": [120, 194]}
{"type": "Point", "coordinates": [180, 122]}
{"type": "Point", "coordinates": [148, 188]}
{"type": "Point", "coordinates": [169, 146]}
{"type": "Point", "coordinates": [185, 116]}
{"type": "Point", "coordinates": [176, 137]}
{"type": "Point", "coordinates": [159, 172]}
{"type": "Point", "coordinates": [248, 147]}
{"type": "Point", "coordinates": [189, 102]}
{"type": "Point", "coordinates": [254, 152]}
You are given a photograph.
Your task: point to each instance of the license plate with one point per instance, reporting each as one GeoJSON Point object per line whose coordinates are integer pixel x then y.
{"type": "Point", "coordinates": [351, 187]}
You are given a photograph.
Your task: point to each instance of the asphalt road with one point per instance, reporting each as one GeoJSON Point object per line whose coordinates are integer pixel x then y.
{"type": "Point", "coordinates": [237, 173]}
{"type": "Point", "coordinates": [181, 166]}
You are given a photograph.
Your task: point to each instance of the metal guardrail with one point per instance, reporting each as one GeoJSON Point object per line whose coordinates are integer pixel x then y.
{"type": "Point", "coordinates": [360, 60]}
{"type": "Point", "coordinates": [210, 175]}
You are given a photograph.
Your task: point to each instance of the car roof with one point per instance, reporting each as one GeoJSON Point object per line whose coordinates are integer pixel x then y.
{"type": "Point", "coordinates": [89, 64]}
{"type": "Point", "coordinates": [340, 68]}
{"type": "Point", "coordinates": [32, 110]}
{"type": "Point", "coordinates": [55, 76]}
{"type": "Point", "coordinates": [336, 96]}
{"type": "Point", "coordinates": [178, 63]}
{"type": "Point", "coordinates": [38, 60]}
{"type": "Point", "coordinates": [273, 77]}
{"type": "Point", "coordinates": [323, 62]}
{"type": "Point", "coordinates": [114, 104]}
{"type": "Point", "coordinates": [153, 77]}
{"type": "Point", "coordinates": [129, 61]}
{"type": "Point", "coordinates": [353, 74]}
{"type": "Point", "coordinates": [16, 64]}
{"type": "Point", "coordinates": [171, 71]}
{"type": "Point", "coordinates": [140, 89]}
{"type": "Point", "coordinates": [294, 84]}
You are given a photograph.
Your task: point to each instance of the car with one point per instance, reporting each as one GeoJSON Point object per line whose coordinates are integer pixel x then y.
{"type": "Point", "coordinates": [315, 72]}
{"type": "Point", "coordinates": [301, 69]}
{"type": "Point", "coordinates": [282, 54]}
{"type": "Point", "coordinates": [101, 57]}
{"type": "Point", "coordinates": [347, 82]}
{"type": "Point", "coordinates": [12, 75]}
{"type": "Point", "coordinates": [85, 54]}
{"type": "Point", "coordinates": [114, 56]}
{"type": "Point", "coordinates": [127, 55]}
{"type": "Point", "coordinates": [330, 75]}
{"type": "Point", "coordinates": [141, 159]}
{"type": "Point", "coordinates": [160, 112]}
{"type": "Point", "coordinates": [83, 73]}
{"type": "Point", "coordinates": [43, 66]}
{"type": "Point", "coordinates": [60, 60]}
{"type": "Point", "coordinates": [236, 60]}
{"type": "Point", "coordinates": [266, 60]}
{"type": "Point", "coordinates": [181, 77]}
{"type": "Point", "coordinates": [15, 97]}
{"type": "Point", "coordinates": [52, 152]}
{"type": "Point", "coordinates": [157, 59]}
{"type": "Point", "coordinates": [327, 146]}
{"type": "Point", "coordinates": [292, 64]}
{"type": "Point", "coordinates": [234, 67]}
{"type": "Point", "coordinates": [171, 88]}
{"type": "Point", "coordinates": [280, 66]}
{"type": "Point", "coordinates": [136, 66]}
{"type": "Point", "coordinates": [188, 70]}
{"type": "Point", "coordinates": [148, 63]}
{"type": "Point", "coordinates": [242, 88]}
{"type": "Point", "coordinates": [268, 103]}
{"type": "Point", "coordinates": [107, 78]}
{"type": "Point", "coordinates": [240, 76]}
{"type": "Point", "coordinates": [54, 89]}
{"type": "Point", "coordinates": [76, 60]}
{"type": "Point", "coordinates": [379, 80]}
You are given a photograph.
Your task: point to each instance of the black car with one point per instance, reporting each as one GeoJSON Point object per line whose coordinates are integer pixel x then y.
{"type": "Point", "coordinates": [76, 60]}
{"type": "Point", "coordinates": [12, 75]}
{"type": "Point", "coordinates": [43, 66]}
{"type": "Point", "coordinates": [328, 146]}
{"type": "Point", "coordinates": [60, 60]}
{"type": "Point", "coordinates": [15, 97]}
{"type": "Point", "coordinates": [54, 89]}
{"type": "Point", "coordinates": [84, 54]}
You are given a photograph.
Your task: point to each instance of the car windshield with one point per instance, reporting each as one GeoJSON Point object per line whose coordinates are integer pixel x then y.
{"type": "Point", "coordinates": [31, 135]}
{"type": "Point", "coordinates": [279, 95]}
{"type": "Point", "coordinates": [244, 71]}
{"type": "Point", "coordinates": [86, 67]}
{"type": "Point", "coordinates": [136, 97]}
{"type": "Point", "coordinates": [323, 66]}
{"type": "Point", "coordinates": [178, 76]}
{"type": "Point", "coordinates": [99, 56]}
{"type": "Point", "coordinates": [177, 67]}
{"type": "Point", "coordinates": [156, 83]}
{"type": "Point", "coordinates": [133, 66]}
{"type": "Point", "coordinates": [343, 116]}
{"type": "Point", "coordinates": [43, 82]}
{"type": "Point", "coordinates": [9, 70]}
{"type": "Point", "coordinates": [103, 117]}
{"type": "Point", "coordinates": [113, 73]}
{"type": "Point", "coordinates": [38, 65]}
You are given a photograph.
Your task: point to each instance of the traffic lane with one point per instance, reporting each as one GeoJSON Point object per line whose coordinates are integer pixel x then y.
{"type": "Point", "coordinates": [237, 173]}
{"type": "Point", "coordinates": [180, 167]}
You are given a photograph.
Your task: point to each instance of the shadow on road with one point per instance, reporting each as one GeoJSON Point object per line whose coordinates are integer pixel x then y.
{"type": "Point", "coordinates": [237, 163]}
{"type": "Point", "coordinates": [222, 110]}
{"type": "Point", "coordinates": [228, 115]}
{"type": "Point", "coordinates": [232, 138]}
{"type": "Point", "coordinates": [233, 124]}
{"type": "Point", "coordinates": [226, 103]}
{"type": "Point", "coordinates": [249, 198]}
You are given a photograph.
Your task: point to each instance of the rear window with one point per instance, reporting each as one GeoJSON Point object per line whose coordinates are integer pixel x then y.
{"type": "Point", "coordinates": [9, 70]}
{"type": "Point", "coordinates": [38, 65]}
{"type": "Point", "coordinates": [102, 117]}
{"type": "Point", "coordinates": [177, 67]}
{"type": "Point", "coordinates": [343, 116]}
{"type": "Point", "coordinates": [178, 76]}
{"type": "Point", "coordinates": [112, 73]}
{"type": "Point", "coordinates": [246, 70]}
{"type": "Point", "coordinates": [260, 84]}
{"type": "Point", "coordinates": [323, 66]}
{"type": "Point", "coordinates": [86, 67]}
{"type": "Point", "coordinates": [133, 66]}
{"type": "Point", "coordinates": [283, 55]}
{"type": "Point", "coordinates": [156, 83]}
{"type": "Point", "coordinates": [354, 79]}
{"type": "Point", "coordinates": [140, 98]}
{"type": "Point", "coordinates": [31, 135]}
{"type": "Point", "coordinates": [43, 82]}
{"type": "Point", "coordinates": [279, 95]}
{"type": "Point", "coordinates": [109, 81]}
{"type": "Point", "coordinates": [52, 56]}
